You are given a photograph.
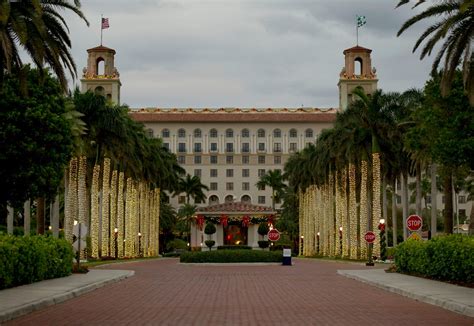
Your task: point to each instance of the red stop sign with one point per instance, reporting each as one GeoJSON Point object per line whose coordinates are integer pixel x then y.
{"type": "Point", "coordinates": [273, 235]}
{"type": "Point", "coordinates": [369, 237]}
{"type": "Point", "coordinates": [414, 223]}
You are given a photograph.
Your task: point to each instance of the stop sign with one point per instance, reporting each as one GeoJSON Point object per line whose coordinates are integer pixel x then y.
{"type": "Point", "coordinates": [414, 223]}
{"type": "Point", "coordinates": [273, 235]}
{"type": "Point", "coordinates": [369, 237]}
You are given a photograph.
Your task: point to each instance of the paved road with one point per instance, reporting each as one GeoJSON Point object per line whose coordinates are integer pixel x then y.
{"type": "Point", "coordinates": [163, 292]}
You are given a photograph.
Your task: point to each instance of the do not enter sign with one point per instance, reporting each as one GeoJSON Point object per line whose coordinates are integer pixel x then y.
{"type": "Point", "coordinates": [414, 223]}
{"type": "Point", "coordinates": [273, 235]}
{"type": "Point", "coordinates": [369, 237]}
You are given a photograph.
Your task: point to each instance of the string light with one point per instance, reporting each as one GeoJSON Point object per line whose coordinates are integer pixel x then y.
{"type": "Point", "coordinates": [83, 202]}
{"type": "Point", "coordinates": [113, 210]}
{"type": "Point", "coordinates": [352, 212]}
{"type": "Point", "coordinates": [331, 215]}
{"type": "Point", "coordinates": [128, 217]}
{"type": "Point", "coordinates": [376, 205]}
{"type": "Point", "coordinates": [71, 200]}
{"type": "Point", "coordinates": [345, 215]}
{"type": "Point", "coordinates": [105, 208]}
{"type": "Point", "coordinates": [120, 215]}
{"type": "Point", "coordinates": [363, 208]}
{"type": "Point", "coordinates": [157, 226]}
{"type": "Point", "coordinates": [339, 207]}
{"type": "Point", "coordinates": [94, 229]}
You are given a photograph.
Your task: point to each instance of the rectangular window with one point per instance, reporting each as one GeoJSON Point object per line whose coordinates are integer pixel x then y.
{"type": "Point", "coordinates": [261, 187]}
{"type": "Point", "coordinates": [229, 159]}
{"type": "Point", "coordinates": [213, 186]}
{"type": "Point", "coordinates": [166, 145]}
{"type": "Point", "coordinates": [213, 147]}
{"type": "Point", "coordinates": [197, 159]}
{"type": "Point", "coordinates": [261, 172]}
{"type": "Point", "coordinates": [229, 173]}
{"type": "Point", "coordinates": [245, 186]}
{"type": "Point", "coordinates": [462, 199]}
{"type": "Point", "coordinates": [245, 159]}
{"type": "Point", "coordinates": [229, 186]}
{"type": "Point", "coordinates": [213, 159]}
{"type": "Point", "coordinates": [399, 199]}
{"type": "Point", "coordinates": [462, 213]}
{"type": "Point", "coordinates": [229, 147]}
{"type": "Point", "coordinates": [182, 159]}
{"type": "Point", "coordinates": [245, 173]}
{"type": "Point", "coordinates": [181, 199]}
{"type": "Point", "coordinates": [293, 147]}
{"type": "Point", "coordinates": [261, 147]}
{"type": "Point", "coordinates": [261, 159]}
{"type": "Point", "coordinates": [277, 147]}
{"type": "Point", "coordinates": [213, 173]}
{"type": "Point", "coordinates": [277, 160]}
{"type": "Point", "coordinates": [245, 147]}
{"type": "Point", "coordinates": [197, 147]}
{"type": "Point", "coordinates": [261, 199]}
{"type": "Point", "coordinates": [428, 199]}
{"type": "Point", "coordinates": [198, 173]}
{"type": "Point", "coordinates": [182, 147]}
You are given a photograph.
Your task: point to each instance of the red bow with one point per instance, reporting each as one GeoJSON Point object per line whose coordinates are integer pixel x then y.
{"type": "Point", "coordinates": [245, 221]}
{"type": "Point", "coordinates": [200, 221]}
{"type": "Point", "coordinates": [224, 220]}
{"type": "Point", "coordinates": [270, 220]}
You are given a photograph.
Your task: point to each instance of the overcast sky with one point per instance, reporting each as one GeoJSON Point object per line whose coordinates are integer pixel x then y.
{"type": "Point", "coordinates": [246, 53]}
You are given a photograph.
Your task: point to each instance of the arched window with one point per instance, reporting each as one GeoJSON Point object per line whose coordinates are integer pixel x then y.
{"type": "Point", "coordinates": [261, 133]}
{"type": "Point", "coordinates": [293, 133]}
{"type": "Point", "coordinates": [165, 133]}
{"type": "Point", "coordinates": [277, 133]}
{"type": "Point", "coordinates": [213, 200]}
{"type": "Point", "coordinates": [229, 133]}
{"type": "Point", "coordinates": [246, 199]}
{"type": "Point", "coordinates": [245, 133]}
{"type": "Point", "coordinates": [149, 133]}
{"type": "Point", "coordinates": [358, 66]}
{"type": "Point", "coordinates": [309, 133]}
{"type": "Point", "coordinates": [100, 66]}
{"type": "Point", "coordinates": [213, 133]}
{"type": "Point", "coordinates": [229, 199]}
{"type": "Point", "coordinates": [181, 133]}
{"type": "Point", "coordinates": [197, 133]}
{"type": "Point", "coordinates": [99, 90]}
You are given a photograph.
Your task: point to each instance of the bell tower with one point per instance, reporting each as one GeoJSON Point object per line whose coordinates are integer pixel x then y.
{"type": "Point", "coordinates": [100, 76]}
{"type": "Point", "coordinates": [357, 72]}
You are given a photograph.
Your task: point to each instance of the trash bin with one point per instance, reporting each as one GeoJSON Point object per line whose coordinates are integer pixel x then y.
{"type": "Point", "coordinates": [286, 257]}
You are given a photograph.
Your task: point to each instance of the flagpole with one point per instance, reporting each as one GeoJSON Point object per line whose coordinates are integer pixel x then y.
{"type": "Point", "coordinates": [357, 35]}
{"type": "Point", "coordinates": [101, 29]}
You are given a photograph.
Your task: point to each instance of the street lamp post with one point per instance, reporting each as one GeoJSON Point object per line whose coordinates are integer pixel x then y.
{"type": "Point", "coordinates": [139, 244]}
{"type": "Point", "coordinates": [340, 240]}
{"type": "Point", "coordinates": [301, 245]}
{"type": "Point", "coordinates": [115, 242]}
{"type": "Point", "coordinates": [317, 242]}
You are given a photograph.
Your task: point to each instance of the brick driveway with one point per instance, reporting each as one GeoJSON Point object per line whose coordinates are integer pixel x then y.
{"type": "Point", "coordinates": [163, 292]}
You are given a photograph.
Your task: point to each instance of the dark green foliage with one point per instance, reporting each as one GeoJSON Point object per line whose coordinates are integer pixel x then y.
{"type": "Point", "coordinates": [232, 256]}
{"type": "Point", "coordinates": [234, 247]}
{"type": "Point", "coordinates": [210, 243]}
{"type": "Point", "coordinates": [176, 244]}
{"type": "Point", "coordinates": [263, 229]}
{"type": "Point", "coordinates": [210, 229]}
{"type": "Point", "coordinates": [447, 258]}
{"type": "Point", "coordinates": [263, 244]}
{"type": "Point", "coordinates": [35, 137]}
{"type": "Point", "coordinates": [25, 260]}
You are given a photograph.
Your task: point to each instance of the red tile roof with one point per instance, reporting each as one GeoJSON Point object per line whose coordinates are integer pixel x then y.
{"type": "Point", "coordinates": [234, 115]}
{"type": "Point", "coordinates": [357, 48]}
{"type": "Point", "coordinates": [101, 48]}
{"type": "Point", "coordinates": [235, 207]}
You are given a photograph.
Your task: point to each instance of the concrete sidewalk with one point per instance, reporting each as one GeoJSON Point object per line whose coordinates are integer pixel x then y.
{"type": "Point", "coordinates": [24, 299]}
{"type": "Point", "coordinates": [448, 296]}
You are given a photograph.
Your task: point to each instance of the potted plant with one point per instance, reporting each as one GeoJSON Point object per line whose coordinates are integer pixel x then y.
{"type": "Point", "coordinates": [263, 231]}
{"type": "Point", "coordinates": [210, 229]}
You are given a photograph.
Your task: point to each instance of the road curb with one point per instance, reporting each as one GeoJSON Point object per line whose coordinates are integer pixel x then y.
{"type": "Point", "coordinates": [61, 297]}
{"type": "Point", "coordinates": [445, 303]}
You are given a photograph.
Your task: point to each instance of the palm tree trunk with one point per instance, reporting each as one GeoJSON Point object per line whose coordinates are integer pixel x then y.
{"type": "Point", "coordinates": [40, 215]}
{"type": "Point", "coordinates": [434, 202]}
{"type": "Point", "coordinates": [471, 219]}
{"type": "Point", "coordinates": [448, 203]}
{"type": "Point", "coordinates": [418, 188]}
{"type": "Point", "coordinates": [404, 203]}
{"type": "Point", "coordinates": [394, 213]}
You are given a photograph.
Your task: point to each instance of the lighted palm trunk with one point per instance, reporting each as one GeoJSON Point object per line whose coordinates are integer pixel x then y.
{"type": "Point", "coordinates": [105, 244]}
{"type": "Point", "coordinates": [83, 202]}
{"type": "Point", "coordinates": [94, 227]}
{"type": "Point", "coordinates": [120, 216]}
{"type": "Point", "coordinates": [71, 200]}
{"type": "Point", "coordinates": [128, 220]}
{"type": "Point", "coordinates": [363, 209]}
{"type": "Point", "coordinates": [113, 213]}
{"type": "Point", "coordinates": [352, 212]}
{"type": "Point", "coordinates": [330, 209]}
{"type": "Point", "coordinates": [344, 213]}
{"type": "Point", "coordinates": [339, 207]}
{"type": "Point", "coordinates": [376, 205]}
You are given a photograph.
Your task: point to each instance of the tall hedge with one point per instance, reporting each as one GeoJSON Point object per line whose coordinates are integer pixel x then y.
{"type": "Point", "coordinates": [446, 258]}
{"type": "Point", "coordinates": [231, 256]}
{"type": "Point", "coordinates": [25, 260]}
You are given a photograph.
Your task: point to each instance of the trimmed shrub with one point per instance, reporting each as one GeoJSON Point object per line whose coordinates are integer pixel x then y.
{"type": "Point", "coordinates": [446, 258]}
{"type": "Point", "coordinates": [210, 229]}
{"type": "Point", "coordinates": [25, 260]}
{"type": "Point", "coordinates": [263, 229]}
{"type": "Point", "coordinates": [176, 244]}
{"type": "Point", "coordinates": [232, 256]}
{"type": "Point", "coordinates": [210, 243]}
{"type": "Point", "coordinates": [263, 244]}
{"type": "Point", "coordinates": [233, 247]}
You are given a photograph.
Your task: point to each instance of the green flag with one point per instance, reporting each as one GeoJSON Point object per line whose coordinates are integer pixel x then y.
{"type": "Point", "coordinates": [361, 21]}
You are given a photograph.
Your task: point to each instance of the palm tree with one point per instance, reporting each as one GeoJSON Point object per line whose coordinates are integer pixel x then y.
{"type": "Point", "coordinates": [274, 180]}
{"type": "Point", "coordinates": [186, 217]}
{"type": "Point", "coordinates": [37, 27]}
{"type": "Point", "coordinates": [457, 23]}
{"type": "Point", "coordinates": [193, 188]}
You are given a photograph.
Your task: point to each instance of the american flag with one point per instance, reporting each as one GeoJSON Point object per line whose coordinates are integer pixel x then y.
{"type": "Point", "coordinates": [105, 23]}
